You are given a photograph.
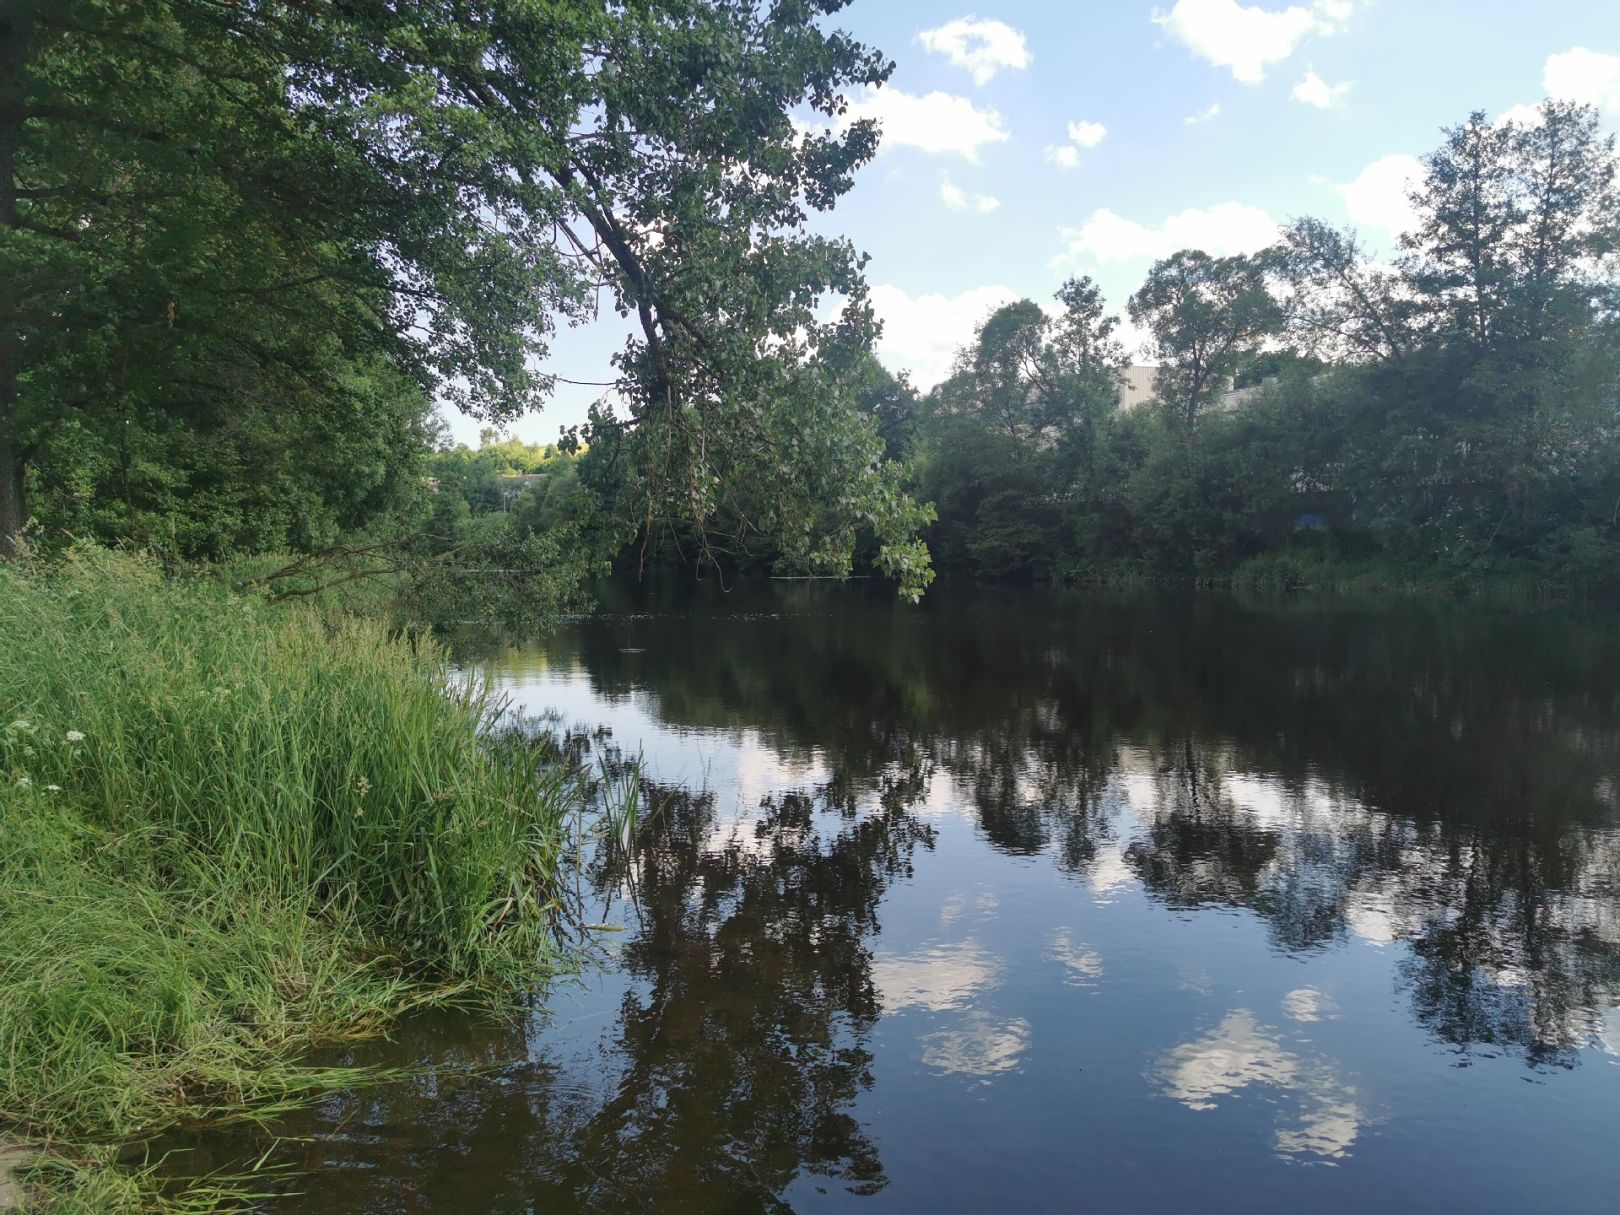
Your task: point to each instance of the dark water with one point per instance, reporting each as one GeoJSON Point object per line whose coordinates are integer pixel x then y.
{"type": "Point", "coordinates": [1056, 903]}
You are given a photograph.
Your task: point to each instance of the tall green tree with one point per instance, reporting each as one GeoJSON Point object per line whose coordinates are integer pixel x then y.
{"type": "Point", "coordinates": [1475, 408]}
{"type": "Point", "coordinates": [438, 186]}
{"type": "Point", "coordinates": [1339, 304]}
{"type": "Point", "coordinates": [1206, 315]}
{"type": "Point", "coordinates": [1513, 260]}
{"type": "Point", "coordinates": [1011, 440]}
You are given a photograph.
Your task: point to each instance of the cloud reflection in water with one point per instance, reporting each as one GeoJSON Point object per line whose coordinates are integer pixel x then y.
{"type": "Point", "coordinates": [1241, 1054]}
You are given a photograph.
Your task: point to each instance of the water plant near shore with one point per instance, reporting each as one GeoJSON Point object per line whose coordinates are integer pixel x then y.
{"type": "Point", "coordinates": [228, 832]}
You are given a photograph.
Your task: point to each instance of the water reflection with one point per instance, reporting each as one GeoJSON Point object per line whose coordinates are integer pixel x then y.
{"type": "Point", "coordinates": [743, 1040]}
{"type": "Point", "coordinates": [980, 1045]}
{"type": "Point", "coordinates": [939, 979]}
{"type": "Point", "coordinates": [1013, 899]}
{"type": "Point", "coordinates": [1082, 966]}
{"type": "Point", "coordinates": [1439, 780]}
{"type": "Point", "coordinates": [739, 1038]}
{"type": "Point", "coordinates": [1323, 1118]}
{"type": "Point", "coordinates": [1306, 1004]}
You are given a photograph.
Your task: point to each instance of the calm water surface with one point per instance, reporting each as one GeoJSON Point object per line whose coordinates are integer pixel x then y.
{"type": "Point", "coordinates": [1054, 903]}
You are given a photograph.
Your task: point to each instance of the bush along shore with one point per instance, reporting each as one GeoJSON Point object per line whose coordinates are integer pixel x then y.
{"type": "Point", "coordinates": [230, 832]}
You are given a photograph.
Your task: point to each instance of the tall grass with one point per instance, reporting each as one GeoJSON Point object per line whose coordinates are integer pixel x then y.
{"type": "Point", "coordinates": [229, 831]}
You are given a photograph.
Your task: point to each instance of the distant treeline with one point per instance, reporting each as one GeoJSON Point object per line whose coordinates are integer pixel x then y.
{"type": "Point", "coordinates": [1452, 414]}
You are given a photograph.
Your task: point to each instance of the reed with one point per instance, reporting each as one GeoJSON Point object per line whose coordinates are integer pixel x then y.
{"type": "Point", "coordinates": [230, 831]}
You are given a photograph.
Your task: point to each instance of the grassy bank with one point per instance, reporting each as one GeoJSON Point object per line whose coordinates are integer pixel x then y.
{"type": "Point", "coordinates": [228, 832]}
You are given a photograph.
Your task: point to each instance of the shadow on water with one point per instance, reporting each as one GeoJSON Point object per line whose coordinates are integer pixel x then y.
{"type": "Point", "coordinates": [857, 917]}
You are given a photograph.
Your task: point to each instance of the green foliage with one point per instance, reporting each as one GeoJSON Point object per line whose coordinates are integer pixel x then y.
{"type": "Point", "coordinates": [244, 481]}
{"type": "Point", "coordinates": [502, 572]}
{"type": "Point", "coordinates": [495, 475]}
{"type": "Point", "coordinates": [1020, 432]}
{"type": "Point", "coordinates": [229, 831]}
{"type": "Point", "coordinates": [241, 245]}
{"type": "Point", "coordinates": [1206, 314]}
{"type": "Point", "coordinates": [1451, 420]}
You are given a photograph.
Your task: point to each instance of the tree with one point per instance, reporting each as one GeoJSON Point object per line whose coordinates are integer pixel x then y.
{"type": "Point", "coordinates": [194, 229]}
{"type": "Point", "coordinates": [1451, 411]}
{"type": "Point", "coordinates": [1011, 439]}
{"type": "Point", "coordinates": [1012, 376]}
{"type": "Point", "coordinates": [438, 186]}
{"type": "Point", "coordinates": [217, 475]}
{"type": "Point", "coordinates": [1039, 379]}
{"type": "Point", "coordinates": [1083, 338]}
{"type": "Point", "coordinates": [1206, 314]}
{"type": "Point", "coordinates": [1513, 264]}
{"type": "Point", "coordinates": [1468, 209]}
{"type": "Point", "coordinates": [1337, 303]}
{"type": "Point", "coordinates": [1518, 221]}
{"type": "Point", "coordinates": [890, 400]}
{"type": "Point", "coordinates": [1474, 412]}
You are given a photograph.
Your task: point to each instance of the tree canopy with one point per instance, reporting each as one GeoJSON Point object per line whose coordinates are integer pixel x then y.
{"type": "Point", "coordinates": [1451, 411]}
{"type": "Point", "coordinates": [219, 215]}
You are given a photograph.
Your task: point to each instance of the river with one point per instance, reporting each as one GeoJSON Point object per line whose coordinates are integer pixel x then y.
{"type": "Point", "coordinates": [1041, 902]}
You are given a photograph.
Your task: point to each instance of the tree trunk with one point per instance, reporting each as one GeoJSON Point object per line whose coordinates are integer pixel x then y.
{"type": "Point", "coordinates": [13, 510]}
{"type": "Point", "coordinates": [16, 28]}
{"type": "Point", "coordinates": [16, 31]}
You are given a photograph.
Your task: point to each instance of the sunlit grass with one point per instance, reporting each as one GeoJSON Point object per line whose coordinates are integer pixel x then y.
{"type": "Point", "coordinates": [229, 831]}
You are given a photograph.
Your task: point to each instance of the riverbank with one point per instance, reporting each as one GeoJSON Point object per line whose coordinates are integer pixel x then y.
{"type": "Point", "coordinates": [230, 832]}
{"type": "Point", "coordinates": [1309, 572]}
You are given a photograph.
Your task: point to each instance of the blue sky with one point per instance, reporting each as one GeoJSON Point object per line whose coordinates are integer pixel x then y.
{"type": "Point", "coordinates": [1026, 140]}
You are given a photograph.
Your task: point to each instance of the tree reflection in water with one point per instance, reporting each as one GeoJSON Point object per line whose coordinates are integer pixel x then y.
{"type": "Point", "coordinates": [1437, 783]}
{"type": "Point", "coordinates": [739, 1047]}
{"type": "Point", "coordinates": [745, 1043]}
{"type": "Point", "coordinates": [1448, 779]}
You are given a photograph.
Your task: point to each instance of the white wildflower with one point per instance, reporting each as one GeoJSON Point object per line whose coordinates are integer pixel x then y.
{"type": "Point", "coordinates": [74, 736]}
{"type": "Point", "coordinates": [53, 788]}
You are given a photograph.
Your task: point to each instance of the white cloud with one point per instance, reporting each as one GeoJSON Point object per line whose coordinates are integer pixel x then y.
{"type": "Point", "coordinates": [940, 124]}
{"type": "Point", "coordinates": [1588, 77]}
{"type": "Point", "coordinates": [1378, 198]}
{"type": "Point", "coordinates": [1084, 965]}
{"type": "Point", "coordinates": [1249, 39]}
{"type": "Point", "coordinates": [1087, 134]}
{"type": "Point", "coordinates": [1308, 1004]}
{"type": "Point", "coordinates": [1325, 1119]}
{"type": "Point", "coordinates": [1585, 76]}
{"type": "Point", "coordinates": [1313, 90]}
{"type": "Point", "coordinates": [1525, 115]}
{"type": "Point", "coordinates": [982, 47]}
{"type": "Point", "coordinates": [922, 334]}
{"type": "Point", "coordinates": [1221, 230]}
{"type": "Point", "coordinates": [1081, 134]}
{"type": "Point", "coordinates": [1203, 116]}
{"type": "Point", "coordinates": [958, 199]}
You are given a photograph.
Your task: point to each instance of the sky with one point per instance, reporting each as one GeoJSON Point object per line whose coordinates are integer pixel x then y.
{"type": "Point", "coordinates": [1025, 141]}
